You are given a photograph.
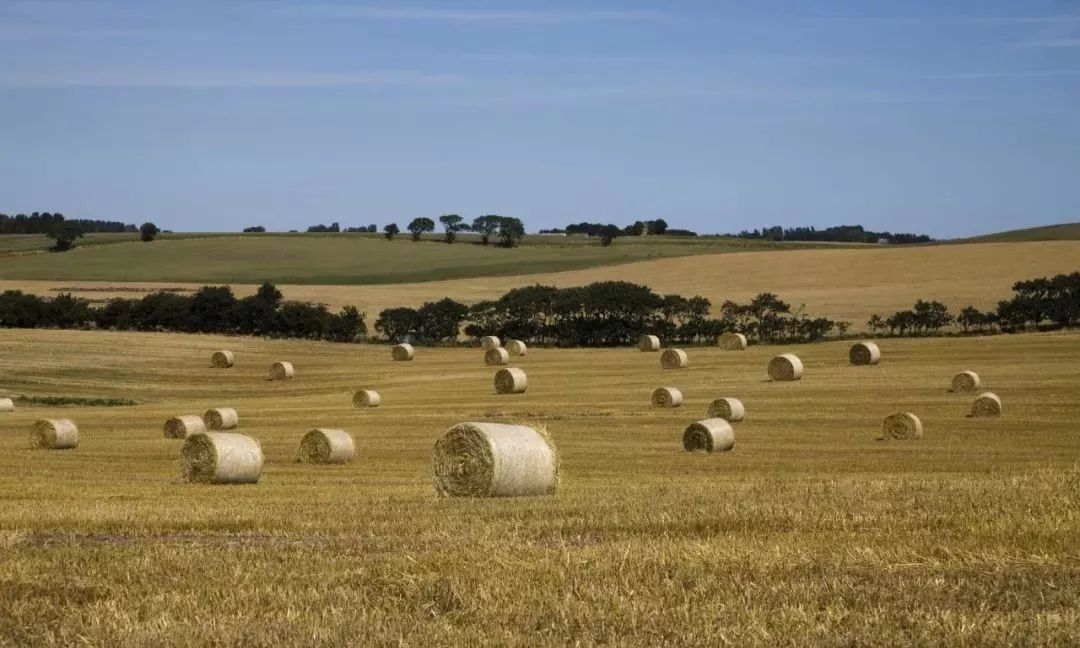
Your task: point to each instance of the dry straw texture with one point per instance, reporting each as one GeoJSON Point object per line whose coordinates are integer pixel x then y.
{"type": "Point", "coordinates": [667, 397]}
{"type": "Point", "coordinates": [327, 446]}
{"type": "Point", "coordinates": [864, 353]}
{"type": "Point", "coordinates": [281, 371]}
{"type": "Point", "coordinates": [403, 352]}
{"type": "Point", "coordinates": [901, 426]}
{"type": "Point", "coordinates": [786, 366]}
{"type": "Point", "coordinates": [511, 381]}
{"type": "Point", "coordinates": [7, 405]}
{"type": "Point", "coordinates": [221, 418]}
{"type": "Point", "coordinates": [710, 435]}
{"type": "Point", "coordinates": [54, 434]}
{"type": "Point", "coordinates": [495, 460]}
{"type": "Point", "coordinates": [648, 343]}
{"type": "Point", "coordinates": [729, 409]}
{"type": "Point", "coordinates": [987, 404]}
{"type": "Point", "coordinates": [965, 381]}
{"type": "Point", "coordinates": [490, 342]}
{"type": "Point", "coordinates": [221, 458]}
{"type": "Point", "coordinates": [181, 427]}
{"type": "Point", "coordinates": [496, 357]}
{"type": "Point", "coordinates": [366, 398]}
{"type": "Point", "coordinates": [733, 342]}
{"type": "Point", "coordinates": [222, 359]}
{"type": "Point", "coordinates": [673, 359]}
{"type": "Point", "coordinates": [517, 348]}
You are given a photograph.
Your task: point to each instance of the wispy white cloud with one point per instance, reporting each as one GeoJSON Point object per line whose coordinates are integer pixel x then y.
{"type": "Point", "coordinates": [209, 79]}
{"type": "Point", "coordinates": [471, 14]}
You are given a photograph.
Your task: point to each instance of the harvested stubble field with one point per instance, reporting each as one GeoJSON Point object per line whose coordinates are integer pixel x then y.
{"type": "Point", "coordinates": [809, 532]}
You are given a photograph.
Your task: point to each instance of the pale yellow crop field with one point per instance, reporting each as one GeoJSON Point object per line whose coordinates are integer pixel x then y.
{"type": "Point", "coordinates": [809, 532]}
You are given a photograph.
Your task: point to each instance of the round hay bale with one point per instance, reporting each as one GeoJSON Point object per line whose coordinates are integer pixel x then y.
{"type": "Point", "coordinates": [667, 397]}
{"type": "Point", "coordinates": [901, 426]}
{"type": "Point", "coordinates": [181, 427]}
{"type": "Point", "coordinates": [729, 409]}
{"type": "Point", "coordinates": [648, 343]}
{"type": "Point", "coordinates": [673, 359]}
{"type": "Point", "coordinates": [965, 381]}
{"type": "Point", "coordinates": [732, 342]}
{"type": "Point", "coordinates": [222, 359]}
{"type": "Point", "coordinates": [54, 434]}
{"type": "Point", "coordinates": [281, 371]}
{"type": "Point", "coordinates": [864, 353]}
{"type": "Point", "coordinates": [403, 352]}
{"type": "Point", "coordinates": [785, 367]}
{"type": "Point", "coordinates": [511, 381]}
{"type": "Point", "coordinates": [327, 446]}
{"type": "Point", "coordinates": [221, 458]}
{"type": "Point", "coordinates": [987, 404]}
{"type": "Point", "coordinates": [710, 435]}
{"type": "Point", "coordinates": [221, 418]}
{"type": "Point", "coordinates": [490, 342]}
{"type": "Point", "coordinates": [517, 348]}
{"type": "Point", "coordinates": [496, 357]}
{"type": "Point", "coordinates": [495, 460]}
{"type": "Point", "coordinates": [366, 398]}
{"type": "Point", "coordinates": [7, 405]}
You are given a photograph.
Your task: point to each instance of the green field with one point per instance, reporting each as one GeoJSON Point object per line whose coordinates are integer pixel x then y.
{"type": "Point", "coordinates": [1062, 232]}
{"type": "Point", "coordinates": [809, 532]}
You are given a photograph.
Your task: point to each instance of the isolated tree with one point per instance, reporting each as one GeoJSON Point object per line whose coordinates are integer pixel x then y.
{"type": "Point", "coordinates": [486, 226]}
{"type": "Point", "coordinates": [608, 234]}
{"type": "Point", "coordinates": [451, 223]}
{"type": "Point", "coordinates": [511, 231]}
{"type": "Point", "coordinates": [658, 226]}
{"type": "Point", "coordinates": [148, 232]}
{"type": "Point", "coordinates": [64, 234]}
{"type": "Point", "coordinates": [390, 231]}
{"type": "Point", "coordinates": [419, 226]}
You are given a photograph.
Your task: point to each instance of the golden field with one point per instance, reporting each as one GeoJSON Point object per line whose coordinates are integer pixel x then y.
{"type": "Point", "coordinates": [809, 532]}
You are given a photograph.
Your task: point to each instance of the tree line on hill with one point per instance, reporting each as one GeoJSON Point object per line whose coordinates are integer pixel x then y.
{"type": "Point", "coordinates": [45, 222]}
{"type": "Point", "coordinates": [608, 233]}
{"type": "Point", "coordinates": [838, 234]}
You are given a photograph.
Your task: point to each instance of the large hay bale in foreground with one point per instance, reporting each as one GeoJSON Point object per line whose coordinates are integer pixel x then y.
{"type": "Point", "coordinates": [221, 458]}
{"type": "Point", "coordinates": [511, 381]}
{"type": "Point", "coordinates": [710, 435]}
{"type": "Point", "coordinates": [366, 398]}
{"type": "Point", "coordinates": [965, 381]}
{"type": "Point", "coordinates": [648, 343]}
{"type": "Point", "coordinates": [181, 427]}
{"type": "Point", "coordinates": [732, 342]}
{"type": "Point", "coordinates": [864, 353]}
{"type": "Point", "coordinates": [54, 434]}
{"type": "Point", "coordinates": [517, 348]}
{"type": "Point", "coordinates": [403, 352]}
{"type": "Point", "coordinates": [673, 359]}
{"type": "Point", "coordinates": [495, 460]}
{"type": "Point", "coordinates": [221, 418]}
{"type": "Point", "coordinates": [667, 397]}
{"type": "Point", "coordinates": [901, 426]}
{"type": "Point", "coordinates": [490, 342]}
{"type": "Point", "coordinates": [987, 404]}
{"type": "Point", "coordinates": [785, 367]}
{"type": "Point", "coordinates": [281, 371]}
{"type": "Point", "coordinates": [496, 357]}
{"type": "Point", "coordinates": [327, 446]}
{"type": "Point", "coordinates": [729, 409]}
{"type": "Point", "coordinates": [7, 405]}
{"type": "Point", "coordinates": [222, 359]}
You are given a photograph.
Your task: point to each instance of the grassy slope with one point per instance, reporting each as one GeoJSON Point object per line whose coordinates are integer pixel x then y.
{"type": "Point", "coordinates": [1061, 232]}
{"type": "Point", "coordinates": [809, 532]}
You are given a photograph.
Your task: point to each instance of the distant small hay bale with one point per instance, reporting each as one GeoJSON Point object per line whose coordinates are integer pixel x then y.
{"type": "Point", "coordinates": [710, 435]}
{"type": "Point", "coordinates": [729, 409]}
{"type": "Point", "coordinates": [7, 405]}
{"type": "Point", "coordinates": [901, 426]}
{"type": "Point", "coordinates": [496, 357]}
{"type": "Point", "coordinates": [221, 418]}
{"type": "Point", "coordinates": [366, 398]}
{"type": "Point", "coordinates": [222, 359]}
{"type": "Point", "coordinates": [733, 342]}
{"type": "Point", "coordinates": [965, 381]}
{"type": "Point", "coordinates": [54, 434]}
{"type": "Point", "coordinates": [221, 458]}
{"type": "Point", "coordinates": [667, 397]}
{"type": "Point", "coordinates": [327, 446]}
{"type": "Point", "coordinates": [517, 348]}
{"type": "Point", "coordinates": [673, 359]}
{"type": "Point", "coordinates": [786, 367]}
{"type": "Point", "coordinates": [648, 343]}
{"type": "Point", "coordinates": [495, 460]}
{"type": "Point", "coordinates": [987, 404]}
{"type": "Point", "coordinates": [864, 353]}
{"type": "Point", "coordinates": [403, 352]}
{"type": "Point", "coordinates": [281, 371]}
{"type": "Point", "coordinates": [511, 381]}
{"type": "Point", "coordinates": [490, 342]}
{"type": "Point", "coordinates": [181, 427]}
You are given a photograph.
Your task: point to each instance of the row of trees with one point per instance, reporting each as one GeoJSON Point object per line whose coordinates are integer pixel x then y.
{"type": "Point", "coordinates": [64, 234]}
{"type": "Point", "coordinates": [838, 234]}
{"type": "Point", "coordinates": [506, 230]}
{"type": "Point", "coordinates": [44, 222]}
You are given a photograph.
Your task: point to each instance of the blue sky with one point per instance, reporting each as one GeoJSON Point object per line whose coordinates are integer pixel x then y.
{"type": "Point", "coordinates": [951, 118]}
